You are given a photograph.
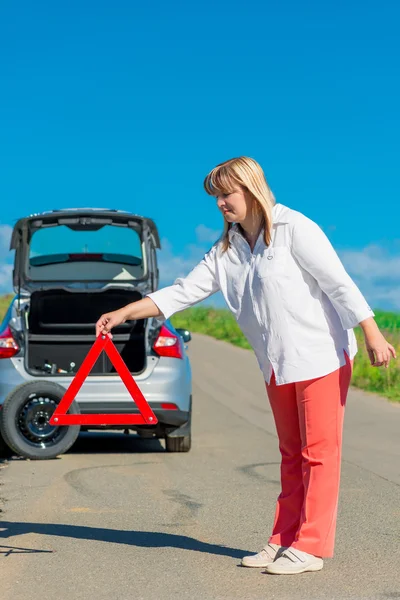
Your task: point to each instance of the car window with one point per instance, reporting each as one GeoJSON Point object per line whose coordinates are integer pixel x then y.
{"type": "Point", "coordinates": [78, 253]}
{"type": "Point", "coordinates": [61, 240]}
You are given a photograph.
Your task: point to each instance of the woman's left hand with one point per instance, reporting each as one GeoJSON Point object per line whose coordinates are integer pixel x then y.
{"type": "Point", "coordinates": [379, 350]}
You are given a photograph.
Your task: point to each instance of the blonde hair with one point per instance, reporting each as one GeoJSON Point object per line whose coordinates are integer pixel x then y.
{"type": "Point", "coordinates": [248, 174]}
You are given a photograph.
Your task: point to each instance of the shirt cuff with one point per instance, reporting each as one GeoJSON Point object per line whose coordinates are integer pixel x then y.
{"type": "Point", "coordinates": [351, 319]}
{"type": "Point", "coordinates": [160, 299]}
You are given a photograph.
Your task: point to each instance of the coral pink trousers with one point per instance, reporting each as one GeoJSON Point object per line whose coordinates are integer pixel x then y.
{"type": "Point", "coordinates": [309, 422]}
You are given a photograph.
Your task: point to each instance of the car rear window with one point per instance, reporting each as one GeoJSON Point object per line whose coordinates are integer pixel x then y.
{"type": "Point", "coordinates": [63, 253]}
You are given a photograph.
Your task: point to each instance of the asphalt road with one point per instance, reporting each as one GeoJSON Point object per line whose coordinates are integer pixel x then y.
{"type": "Point", "coordinates": [119, 518]}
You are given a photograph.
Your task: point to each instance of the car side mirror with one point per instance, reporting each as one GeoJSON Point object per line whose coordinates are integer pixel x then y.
{"type": "Point", "coordinates": [185, 334]}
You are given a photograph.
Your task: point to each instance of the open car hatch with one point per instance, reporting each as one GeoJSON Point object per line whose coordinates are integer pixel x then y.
{"type": "Point", "coordinates": [81, 248]}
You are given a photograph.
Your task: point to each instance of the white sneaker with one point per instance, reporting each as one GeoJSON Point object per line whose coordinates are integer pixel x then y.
{"type": "Point", "coordinates": [262, 559]}
{"type": "Point", "coordinates": [293, 561]}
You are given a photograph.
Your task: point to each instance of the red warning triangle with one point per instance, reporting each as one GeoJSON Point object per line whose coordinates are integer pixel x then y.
{"type": "Point", "coordinates": [146, 416]}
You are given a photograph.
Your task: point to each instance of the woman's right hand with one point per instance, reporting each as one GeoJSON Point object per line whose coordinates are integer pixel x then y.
{"type": "Point", "coordinates": [141, 309]}
{"type": "Point", "coordinates": [110, 320]}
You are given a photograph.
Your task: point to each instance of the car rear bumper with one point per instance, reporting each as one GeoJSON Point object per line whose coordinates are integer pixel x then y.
{"type": "Point", "coordinates": [171, 417]}
{"type": "Point", "coordinates": [165, 380]}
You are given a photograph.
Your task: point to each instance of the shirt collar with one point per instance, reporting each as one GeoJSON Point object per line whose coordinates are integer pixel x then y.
{"type": "Point", "coordinates": [279, 215]}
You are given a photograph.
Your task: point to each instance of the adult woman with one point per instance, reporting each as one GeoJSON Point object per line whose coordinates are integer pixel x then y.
{"type": "Point", "coordinates": [297, 306]}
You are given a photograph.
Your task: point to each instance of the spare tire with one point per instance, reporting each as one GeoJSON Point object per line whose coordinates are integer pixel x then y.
{"type": "Point", "coordinates": [24, 421]}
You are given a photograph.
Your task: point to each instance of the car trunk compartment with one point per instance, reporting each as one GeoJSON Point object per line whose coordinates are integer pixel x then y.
{"type": "Point", "coordinates": [61, 330]}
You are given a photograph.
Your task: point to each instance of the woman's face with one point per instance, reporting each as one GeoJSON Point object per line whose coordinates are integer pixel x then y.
{"type": "Point", "coordinates": [235, 207]}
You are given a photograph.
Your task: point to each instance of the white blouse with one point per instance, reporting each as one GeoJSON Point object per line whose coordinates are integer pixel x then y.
{"type": "Point", "coordinates": [293, 299]}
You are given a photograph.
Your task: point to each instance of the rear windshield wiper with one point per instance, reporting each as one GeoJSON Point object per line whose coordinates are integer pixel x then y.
{"type": "Point", "coordinates": [52, 259]}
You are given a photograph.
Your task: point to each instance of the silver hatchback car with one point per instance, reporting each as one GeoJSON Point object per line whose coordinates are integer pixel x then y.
{"type": "Point", "coordinates": [71, 266]}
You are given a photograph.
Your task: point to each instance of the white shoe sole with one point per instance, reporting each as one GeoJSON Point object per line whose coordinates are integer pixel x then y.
{"type": "Point", "coordinates": [310, 568]}
{"type": "Point", "coordinates": [257, 565]}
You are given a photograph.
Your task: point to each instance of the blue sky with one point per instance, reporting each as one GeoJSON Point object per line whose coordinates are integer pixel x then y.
{"type": "Point", "coordinates": [129, 105]}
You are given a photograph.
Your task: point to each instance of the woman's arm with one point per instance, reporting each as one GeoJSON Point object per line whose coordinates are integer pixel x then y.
{"type": "Point", "coordinates": [187, 291]}
{"type": "Point", "coordinates": [198, 285]}
{"type": "Point", "coordinates": [315, 254]}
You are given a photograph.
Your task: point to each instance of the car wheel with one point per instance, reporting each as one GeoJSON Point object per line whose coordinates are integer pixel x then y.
{"type": "Point", "coordinates": [24, 421]}
{"type": "Point", "coordinates": [180, 439]}
{"type": "Point", "coordinates": [5, 451]}
{"type": "Point", "coordinates": [178, 444]}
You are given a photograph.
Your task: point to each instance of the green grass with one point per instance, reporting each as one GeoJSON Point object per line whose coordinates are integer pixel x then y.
{"type": "Point", "coordinates": [221, 324]}
{"type": "Point", "coordinates": [218, 323]}
{"type": "Point", "coordinates": [4, 304]}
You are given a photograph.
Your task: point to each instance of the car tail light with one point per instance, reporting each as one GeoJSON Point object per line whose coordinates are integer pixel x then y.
{"type": "Point", "coordinates": [85, 256]}
{"type": "Point", "coordinates": [168, 344]}
{"type": "Point", "coordinates": [8, 346]}
{"type": "Point", "coordinates": [168, 406]}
